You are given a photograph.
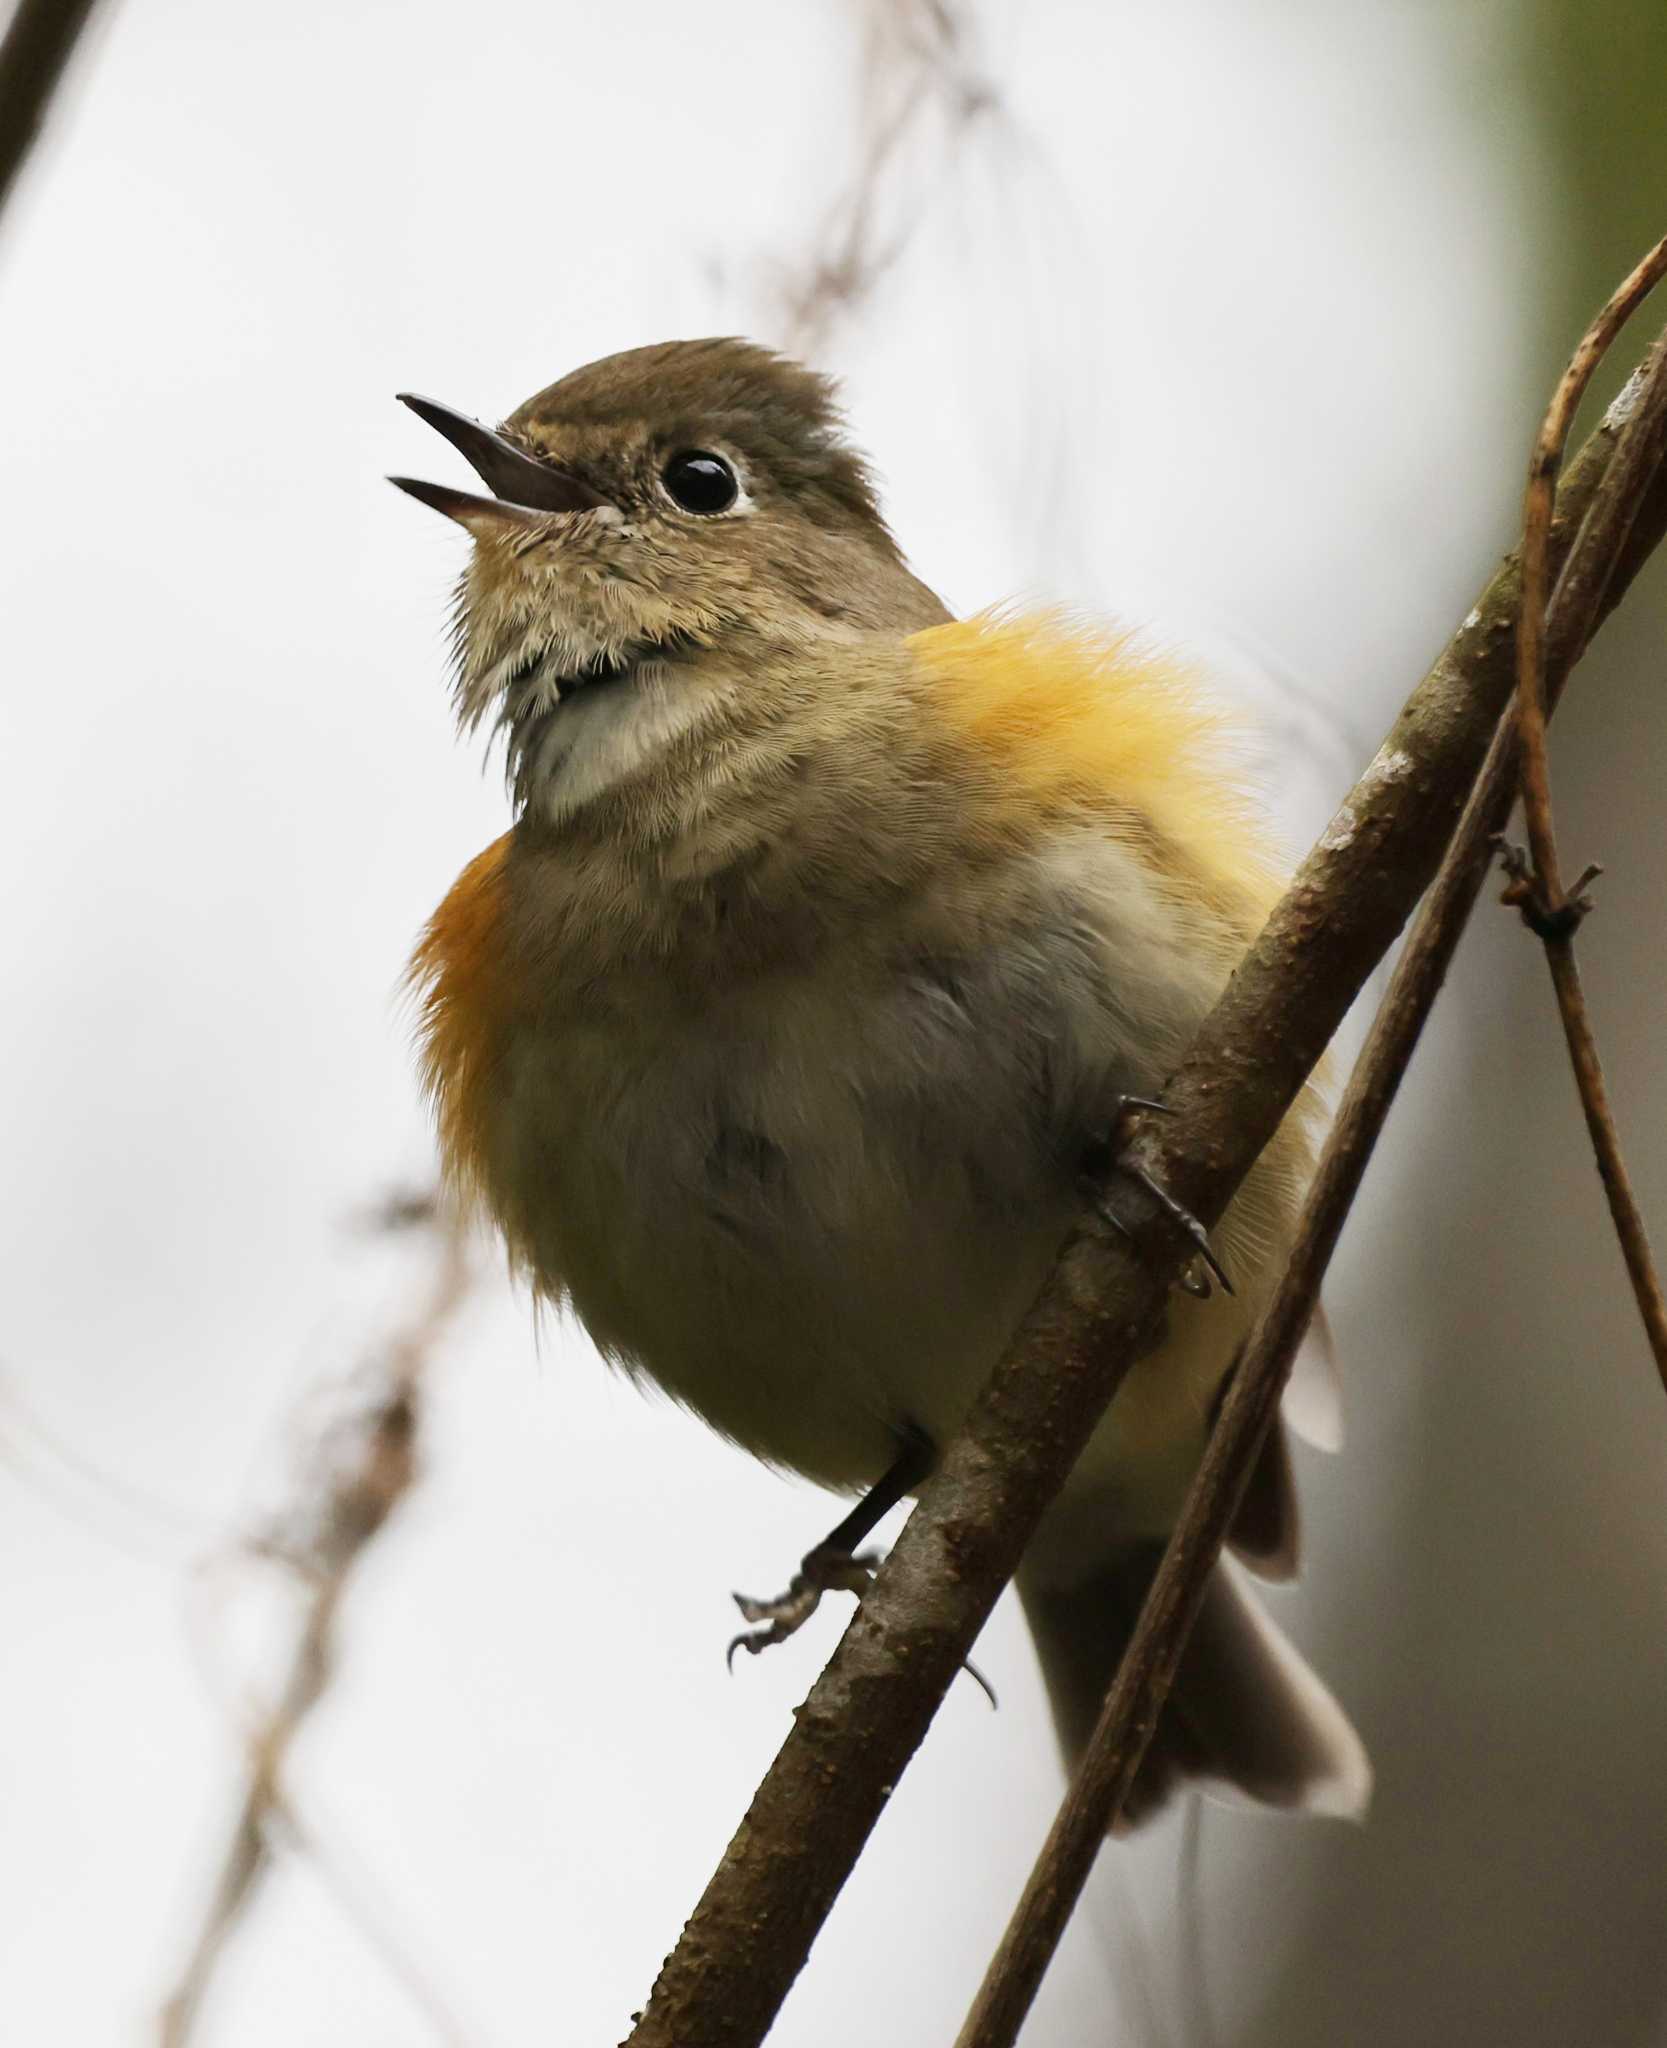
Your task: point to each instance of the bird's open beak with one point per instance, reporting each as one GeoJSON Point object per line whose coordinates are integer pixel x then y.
{"type": "Point", "coordinates": [526, 491]}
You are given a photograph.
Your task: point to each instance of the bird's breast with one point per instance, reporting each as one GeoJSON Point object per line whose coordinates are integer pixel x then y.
{"type": "Point", "coordinates": [808, 1206]}
{"type": "Point", "coordinates": [809, 1194]}
{"type": "Point", "coordinates": [778, 1064]}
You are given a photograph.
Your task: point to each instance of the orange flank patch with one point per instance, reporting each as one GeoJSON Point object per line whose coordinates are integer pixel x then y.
{"type": "Point", "coordinates": [1075, 719]}
{"type": "Point", "coordinates": [456, 973]}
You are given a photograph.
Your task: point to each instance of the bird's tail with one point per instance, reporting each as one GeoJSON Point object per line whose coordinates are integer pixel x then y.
{"type": "Point", "coordinates": [1247, 1717]}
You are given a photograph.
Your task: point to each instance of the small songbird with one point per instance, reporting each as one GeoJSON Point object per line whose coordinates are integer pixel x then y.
{"type": "Point", "coordinates": [829, 939]}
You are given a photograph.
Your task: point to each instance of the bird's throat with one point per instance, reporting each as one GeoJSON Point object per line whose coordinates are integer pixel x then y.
{"type": "Point", "coordinates": [575, 737]}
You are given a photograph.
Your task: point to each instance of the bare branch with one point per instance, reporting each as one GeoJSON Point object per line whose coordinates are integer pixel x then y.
{"type": "Point", "coordinates": [750, 1933]}
{"type": "Point", "coordinates": [40, 39]}
{"type": "Point", "coordinates": [356, 1503]}
{"type": "Point", "coordinates": [1148, 1667]}
{"type": "Point", "coordinates": [1538, 504]}
{"type": "Point", "coordinates": [1536, 888]}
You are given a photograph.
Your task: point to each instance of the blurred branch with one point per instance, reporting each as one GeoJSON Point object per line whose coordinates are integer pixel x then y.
{"type": "Point", "coordinates": [1536, 888]}
{"type": "Point", "coordinates": [40, 39]}
{"type": "Point", "coordinates": [351, 1507]}
{"type": "Point", "coordinates": [750, 1933]}
{"type": "Point", "coordinates": [915, 59]}
{"type": "Point", "coordinates": [85, 1493]}
{"type": "Point", "coordinates": [1129, 1716]}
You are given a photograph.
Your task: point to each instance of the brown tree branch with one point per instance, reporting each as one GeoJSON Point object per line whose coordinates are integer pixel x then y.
{"type": "Point", "coordinates": [1536, 888]}
{"type": "Point", "coordinates": [1147, 1670]}
{"type": "Point", "coordinates": [751, 1931]}
{"type": "Point", "coordinates": [40, 39]}
{"type": "Point", "coordinates": [356, 1503]}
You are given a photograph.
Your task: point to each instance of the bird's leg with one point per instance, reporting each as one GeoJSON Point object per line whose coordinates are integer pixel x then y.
{"type": "Point", "coordinates": [1109, 1151]}
{"type": "Point", "coordinates": [835, 1566]}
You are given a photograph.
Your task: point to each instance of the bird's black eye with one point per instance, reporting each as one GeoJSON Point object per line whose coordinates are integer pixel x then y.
{"type": "Point", "coordinates": [700, 482]}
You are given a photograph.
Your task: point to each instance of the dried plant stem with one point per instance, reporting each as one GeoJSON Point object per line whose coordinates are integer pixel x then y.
{"type": "Point", "coordinates": [355, 1507]}
{"type": "Point", "coordinates": [750, 1932]}
{"type": "Point", "coordinates": [40, 39]}
{"type": "Point", "coordinates": [916, 60]}
{"type": "Point", "coordinates": [1537, 890]}
{"type": "Point", "coordinates": [1624, 1211]}
{"type": "Point", "coordinates": [1144, 1677]}
{"type": "Point", "coordinates": [1539, 504]}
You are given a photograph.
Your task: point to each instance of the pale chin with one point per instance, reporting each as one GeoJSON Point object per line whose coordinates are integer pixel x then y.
{"type": "Point", "coordinates": [601, 737]}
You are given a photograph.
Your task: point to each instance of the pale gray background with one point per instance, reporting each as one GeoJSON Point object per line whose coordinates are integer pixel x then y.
{"type": "Point", "coordinates": [1236, 318]}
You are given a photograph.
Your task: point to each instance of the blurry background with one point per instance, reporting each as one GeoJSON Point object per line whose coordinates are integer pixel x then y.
{"type": "Point", "coordinates": [1233, 318]}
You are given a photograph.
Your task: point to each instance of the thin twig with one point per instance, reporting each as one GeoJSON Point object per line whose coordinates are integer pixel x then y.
{"type": "Point", "coordinates": [357, 1502]}
{"type": "Point", "coordinates": [1536, 885]}
{"type": "Point", "coordinates": [751, 1931]}
{"type": "Point", "coordinates": [1113, 1756]}
{"type": "Point", "coordinates": [39, 41]}
{"type": "Point", "coordinates": [915, 59]}
{"type": "Point", "coordinates": [85, 1493]}
{"type": "Point", "coordinates": [1539, 504]}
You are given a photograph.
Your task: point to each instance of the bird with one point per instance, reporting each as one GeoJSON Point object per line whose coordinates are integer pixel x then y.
{"type": "Point", "coordinates": [832, 937]}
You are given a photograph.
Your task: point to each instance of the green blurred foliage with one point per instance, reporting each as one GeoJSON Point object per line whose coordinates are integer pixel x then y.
{"type": "Point", "coordinates": [1597, 75]}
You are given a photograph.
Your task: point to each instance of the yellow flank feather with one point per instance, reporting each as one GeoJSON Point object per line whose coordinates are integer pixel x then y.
{"type": "Point", "coordinates": [1070, 718]}
{"type": "Point", "coordinates": [1074, 720]}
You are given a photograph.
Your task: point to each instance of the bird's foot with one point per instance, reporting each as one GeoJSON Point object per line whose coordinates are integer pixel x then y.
{"type": "Point", "coordinates": [826, 1569]}
{"type": "Point", "coordinates": [1195, 1276]}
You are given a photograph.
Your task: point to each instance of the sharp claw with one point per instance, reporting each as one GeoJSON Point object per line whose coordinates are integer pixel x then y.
{"type": "Point", "coordinates": [752, 1640]}
{"type": "Point", "coordinates": [983, 1684]}
{"type": "Point", "coordinates": [1187, 1221]}
{"type": "Point", "coordinates": [823, 1571]}
{"type": "Point", "coordinates": [1195, 1284]}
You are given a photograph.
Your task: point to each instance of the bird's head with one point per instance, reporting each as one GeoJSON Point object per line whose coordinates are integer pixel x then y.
{"type": "Point", "coordinates": [661, 522]}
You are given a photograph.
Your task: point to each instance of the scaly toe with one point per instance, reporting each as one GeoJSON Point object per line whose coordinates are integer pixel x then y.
{"type": "Point", "coordinates": [822, 1571]}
